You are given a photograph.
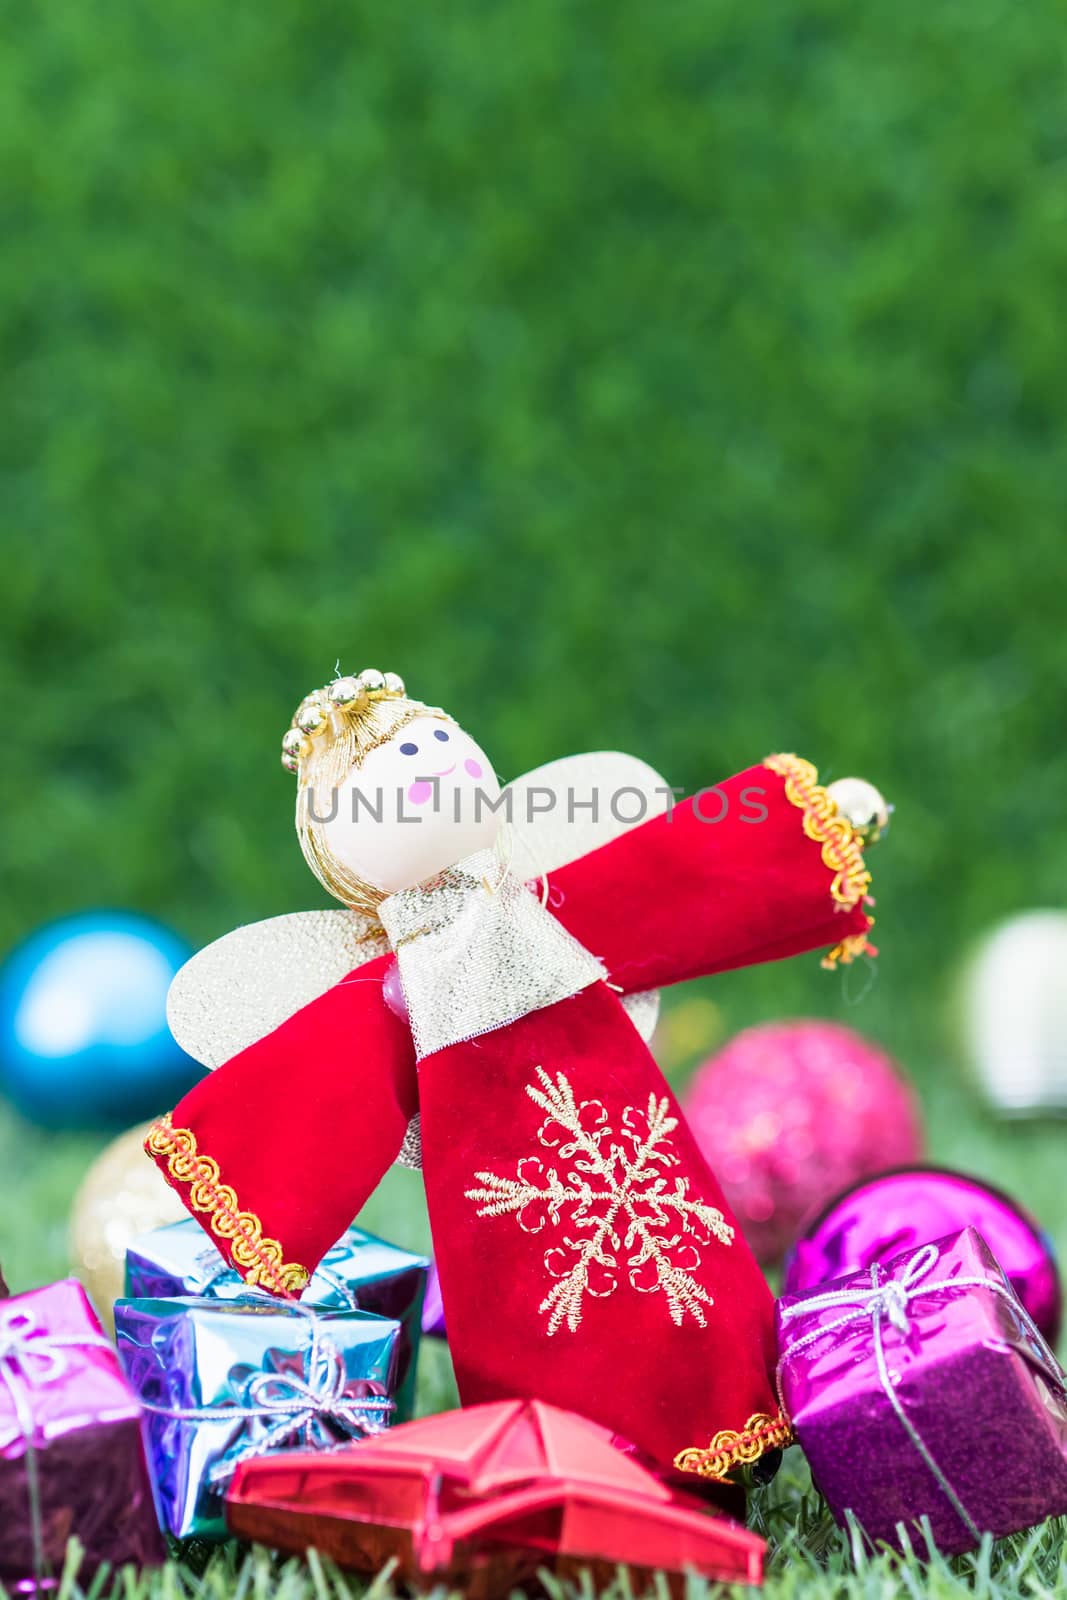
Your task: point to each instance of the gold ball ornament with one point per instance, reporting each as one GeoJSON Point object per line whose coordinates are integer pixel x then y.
{"type": "Point", "coordinates": [394, 683]}
{"type": "Point", "coordinates": [371, 680]}
{"type": "Point", "coordinates": [311, 718]}
{"type": "Point", "coordinates": [295, 746]}
{"type": "Point", "coordinates": [863, 805]}
{"type": "Point", "coordinates": [344, 692]}
{"type": "Point", "coordinates": [123, 1194]}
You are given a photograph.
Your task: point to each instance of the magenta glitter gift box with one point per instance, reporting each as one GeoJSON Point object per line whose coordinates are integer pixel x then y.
{"type": "Point", "coordinates": [922, 1387]}
{"type": "Point", "coordinates": [72, 1460]}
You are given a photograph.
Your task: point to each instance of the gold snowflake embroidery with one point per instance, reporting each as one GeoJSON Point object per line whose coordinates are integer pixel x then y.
{"type": "Point", "coordinates": [616, 1198]}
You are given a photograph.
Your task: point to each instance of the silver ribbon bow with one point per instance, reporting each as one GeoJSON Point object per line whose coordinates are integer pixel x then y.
{"type": "Point", "coordinates": [891, 1301]}
{"type": "Point", "coordinates": [31, 1357]}
{"type": "Point", "coordinates": [291, 1403]}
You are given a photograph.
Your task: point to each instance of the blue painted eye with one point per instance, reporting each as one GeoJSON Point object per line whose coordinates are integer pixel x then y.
{"type": "Point", "coordinates": [409, 749]}
{"type": "Point", "coordinates": [439, 733]}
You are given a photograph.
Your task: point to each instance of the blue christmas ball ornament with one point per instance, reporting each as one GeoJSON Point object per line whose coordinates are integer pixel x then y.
{"type": "Point", "coordinates": [84, 1040]}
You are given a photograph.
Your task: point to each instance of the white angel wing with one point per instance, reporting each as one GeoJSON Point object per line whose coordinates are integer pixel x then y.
{"type": "Point", "coordinates": [244, 985]}
{"type": "Point", "coordinates": [568, 807]}
{"type": "Point", "coordinates": [241, 987]}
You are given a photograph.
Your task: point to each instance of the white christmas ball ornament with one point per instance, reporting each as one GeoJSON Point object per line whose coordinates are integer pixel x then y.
{"type": "Point", "coordinates": [1016, 1014]}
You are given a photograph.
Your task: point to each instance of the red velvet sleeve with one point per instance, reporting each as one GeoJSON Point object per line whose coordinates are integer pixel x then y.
{"type": "Point", "coordinates": [760, 867]}
{"type": "Point", "coordinates": [276, 1151]}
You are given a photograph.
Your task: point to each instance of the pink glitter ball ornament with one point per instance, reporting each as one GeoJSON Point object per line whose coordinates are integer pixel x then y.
{"type": "Point", "coordinates": [790, 1113]}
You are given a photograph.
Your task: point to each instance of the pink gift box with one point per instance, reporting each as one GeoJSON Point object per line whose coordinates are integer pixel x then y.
{"type": "Point", "coordinates": [963, 1420]}
{"type": "Point", "coordinates": [72, 1460]}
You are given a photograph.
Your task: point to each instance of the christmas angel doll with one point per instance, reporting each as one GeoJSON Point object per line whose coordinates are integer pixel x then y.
{"type": "Point", "coordinates": [482, 1003]}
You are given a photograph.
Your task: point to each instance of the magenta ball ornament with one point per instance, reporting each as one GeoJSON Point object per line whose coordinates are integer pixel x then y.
{"type": "Point", "coordinates": [885, 1216]}
{"type": "Point", "coordinates": [790, 1113]}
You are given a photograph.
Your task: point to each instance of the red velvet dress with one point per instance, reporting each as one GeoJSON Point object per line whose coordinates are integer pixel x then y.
{"type": "Point", "coordinates": [587, 1257]}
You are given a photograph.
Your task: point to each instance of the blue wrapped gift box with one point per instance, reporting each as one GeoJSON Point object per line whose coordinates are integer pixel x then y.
{"type": "Point", "coordinates": [360, 1273]}
{"type": "Point", "coordinates": [221, 1381]}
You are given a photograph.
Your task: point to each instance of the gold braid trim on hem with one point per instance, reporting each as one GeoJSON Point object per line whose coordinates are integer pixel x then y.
{"type": "Point", "coordinates": [841, 848]}
{"type": "Point", "coordinates": [729, 1449]}
{"type": "Point", "coordinates": [258, 1259]}
{"type": "Point", "coordinates": [843, 954]}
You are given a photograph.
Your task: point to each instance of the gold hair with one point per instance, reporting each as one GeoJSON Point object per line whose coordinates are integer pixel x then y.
{"type": "Point", "coordinates": [343, 740]}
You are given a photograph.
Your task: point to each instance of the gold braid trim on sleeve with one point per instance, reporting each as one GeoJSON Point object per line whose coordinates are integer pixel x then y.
{"type": "Point", "coordinates": [729, 1449]}
{"type": "Point", "coordinates": [843, 954]}
{"type": "Point", "coordinates": [842, 851]}
{"type": "Point", "coordinates": [841, 848]}
{"type": "Point", "coordinates": [259, 1259]}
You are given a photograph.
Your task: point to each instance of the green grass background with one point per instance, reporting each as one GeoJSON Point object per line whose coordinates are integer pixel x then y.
{"type": "Point", "coordinates": [684, 379]}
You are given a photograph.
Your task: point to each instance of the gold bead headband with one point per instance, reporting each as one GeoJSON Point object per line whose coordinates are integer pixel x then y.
{"type": "Point", "coordinates": [313, 714]}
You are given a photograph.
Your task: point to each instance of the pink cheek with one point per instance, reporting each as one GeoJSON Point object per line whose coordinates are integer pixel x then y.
{"type": "Point", "coordinates": [420, 792]}
{"type": "Point", "coordinates": [472, 768]}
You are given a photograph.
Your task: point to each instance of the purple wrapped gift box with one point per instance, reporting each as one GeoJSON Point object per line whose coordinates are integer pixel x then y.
{"type": "Point", "coordinates": [923, 1387]}
{"type": "Point", "coordinates": [71, 1456]}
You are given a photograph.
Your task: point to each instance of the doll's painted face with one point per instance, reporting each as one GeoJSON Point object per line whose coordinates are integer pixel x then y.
{"type": "Point", "coordinates": [418, 803]}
